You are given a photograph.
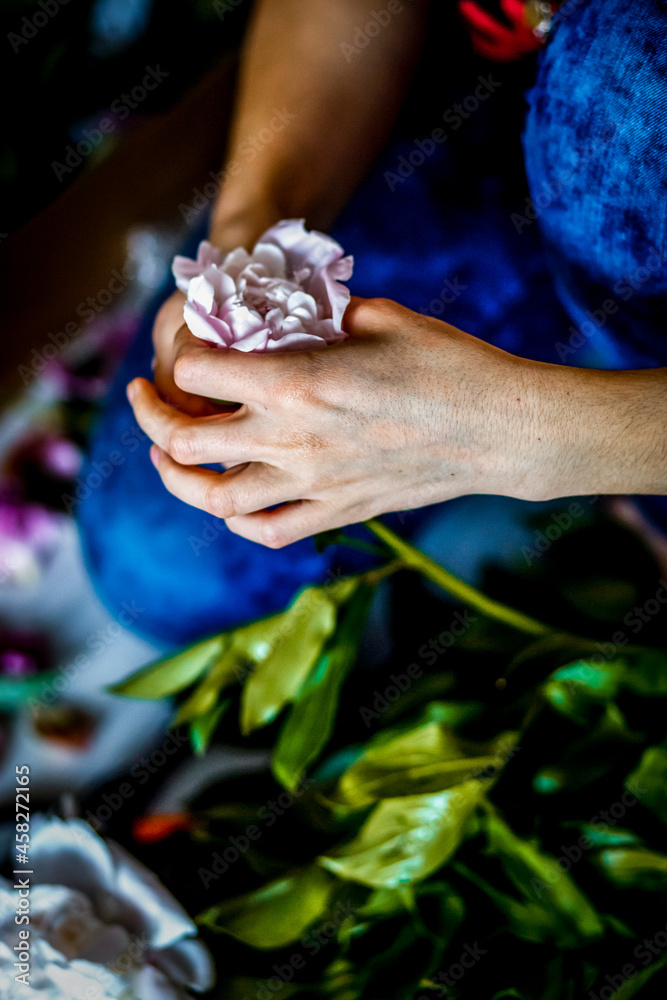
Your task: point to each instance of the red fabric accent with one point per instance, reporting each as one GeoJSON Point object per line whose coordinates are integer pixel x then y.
{"type": "Point", "coordinates": [152, 829]}
{"type": "Point", "coordinates": [497, 41]}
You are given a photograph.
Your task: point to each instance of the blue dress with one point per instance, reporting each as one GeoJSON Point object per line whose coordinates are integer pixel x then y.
{"type": "Point", "coordinates": [574, 273]}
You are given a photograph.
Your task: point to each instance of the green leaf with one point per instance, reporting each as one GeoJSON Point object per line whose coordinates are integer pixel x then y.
{"type": "Point", "coordinates": [309, 725]}
{"type": "Point", "coordinates": [633, 868]}
{"type": "Point", "coordinates": [278, 913]}
{"type": "Point", "coordinates": [578, 690]}
{"type": "Point", "coordinates": [405, 839]}
{"type": "Point", "coordinates": [202, 729]}
{"type": "Point", "coordinates": [527, 920]}
{"type": "Point", "coordinates": [294, 648]}
{"type": "Point", "coordinates": [597, 680]}
{"type": "Point", "coordinates": [599, 837]}
{"type": "Point", "coordinates": [326, 538]}
{"type": "Point", "coordinates": [649, 780]}
{"type": "Point", "coordinates": [539, 878]}
{"type": "Point", "coordinates": [203, 699]}
{"type": "Point", "coordinates": [631, 987]}
{"type": "Point", "coordinates": [427, 757]}
{"type": "Point", "coordinates": [645, 672]}
{"type": "Point", "coordinates": [173, 674]}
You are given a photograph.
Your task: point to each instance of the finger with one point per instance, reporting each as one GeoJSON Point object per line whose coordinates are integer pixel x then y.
{"type": "Point", "coordinates": [280, 527]}
{"type": "Point", "coordinates": [373, 317]}
{"type": "Point", "coordinates": [241, 490]}
{"type": "Point", "coordinates": [225, 373]}
{"type": "Point", "coordinates": [191, 440]}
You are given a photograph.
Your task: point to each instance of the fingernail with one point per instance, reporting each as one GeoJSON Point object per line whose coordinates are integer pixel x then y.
{"type": "Point", "coordinates": [155, 455]}
{"type": "Point", "coordinates": [131, 390]}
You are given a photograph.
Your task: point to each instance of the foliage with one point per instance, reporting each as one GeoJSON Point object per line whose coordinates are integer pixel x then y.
{"type": "Point", "coordinates": [496, 830]}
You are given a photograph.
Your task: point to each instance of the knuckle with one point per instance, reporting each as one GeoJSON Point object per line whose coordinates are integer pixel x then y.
{"type": "Point", "coordinates": [273, 535]}
{"type": "Point", "coordinates": [218, 502]}
{"type": "Point", "coordinates": [185, 371]}
{"type": "Point", "coordinates": [182, 444]}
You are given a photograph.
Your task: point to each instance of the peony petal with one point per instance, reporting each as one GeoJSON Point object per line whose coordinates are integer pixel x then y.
{"type": "Point", "coordinates": [243, 321]}
{"type": "Point", "coordinates": [223, 284]}
{"type": "Point", "coordinates": [184, 269]}
{"type": "Point", "coordinates": [202, 293]}
{"type": "Point", "coordinates": [256, 341]}
{"type": "Point", "coordinates": [292, 324]}
{"type": "Point", "coordinates": [209, 328]}
{"type": "Point", "coordinates": [150, 983]}
{"type": "Point", "coordinates": [187, 963]}
{"type": "Point", "coordinates": [272, 257]}
{"type": "Point", "coordinates": [296, 342]}
{"type": "Point", "coordinates": [301, 302]}
{"type": "Point", "coordinates": [71, 854]}
{"type": "Point", "coordinates": [163, 919]}
{"type": "Point", "coordinates": [235, 261]}
{"type": "Point", "coordinates": [302, 248]}
{"type": "Point", "coordinates": [333, 296]}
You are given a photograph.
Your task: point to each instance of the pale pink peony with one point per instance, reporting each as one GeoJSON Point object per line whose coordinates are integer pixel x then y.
{"type": "Point", "coordinates": [286, 295]}
{"type": "Point", "coordinates": [102, 927]}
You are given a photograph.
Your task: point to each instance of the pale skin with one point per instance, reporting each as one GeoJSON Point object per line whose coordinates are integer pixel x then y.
{"type": "Point", "coordinates": [409, 410]}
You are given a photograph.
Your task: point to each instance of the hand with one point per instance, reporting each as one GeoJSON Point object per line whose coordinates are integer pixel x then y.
{"type": "Point", "coordinates": [409, 411]}
{"type": "Point", "coordinates": [230, 229]}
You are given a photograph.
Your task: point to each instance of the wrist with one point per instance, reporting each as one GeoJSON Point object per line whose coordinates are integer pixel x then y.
{"type": "Point", "coordinates": [239, 222]}
{"type": "Point", "coordinates": [588, 431]}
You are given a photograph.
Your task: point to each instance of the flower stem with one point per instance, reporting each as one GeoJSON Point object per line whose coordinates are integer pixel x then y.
{"type": "Point", "coordinates": [413, 558]}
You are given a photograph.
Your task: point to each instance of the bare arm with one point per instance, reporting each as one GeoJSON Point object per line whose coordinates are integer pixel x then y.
{"type": "Point", "coordinates": [337, 75]}
{"type": "Point", "coordinates": [312, 110]}
{"type": "Point", "coordinates": [409, 411]}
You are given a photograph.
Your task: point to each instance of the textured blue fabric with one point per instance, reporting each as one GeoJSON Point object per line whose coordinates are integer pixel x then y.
{"type": "Point", "coordinates": [595, 147]}
{"type": "Point", "coordinates": [596, 127]}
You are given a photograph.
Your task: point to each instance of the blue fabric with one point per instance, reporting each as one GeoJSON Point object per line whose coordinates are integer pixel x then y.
{"type": "Point", "coordinates": [595, 147]}
{"type": "Point", "coordinates": [596, 132]}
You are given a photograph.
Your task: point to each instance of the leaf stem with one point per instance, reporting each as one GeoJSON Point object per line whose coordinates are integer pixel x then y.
{"type": "Point", "coordinates": [415, 559]}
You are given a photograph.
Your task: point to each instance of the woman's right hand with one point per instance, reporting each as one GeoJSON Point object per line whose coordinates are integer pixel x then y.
{"type": "Point", "coordinates": [169, 323]}
{"type": "Point", "coordinates": [229, 230]}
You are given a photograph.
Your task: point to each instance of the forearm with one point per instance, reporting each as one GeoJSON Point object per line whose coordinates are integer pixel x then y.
{"type": "Point", "coordinates": [336, 105]}
{"type": "Point", "coordinates": [593, 431]}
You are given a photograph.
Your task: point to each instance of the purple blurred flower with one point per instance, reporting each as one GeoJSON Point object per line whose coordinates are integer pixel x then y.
{"type": "Point", "coordinates": [285, 295]}
{"type": "Point", "coordinates": [43, 466]}
{"type": "Point", "coordinates": [29, 534]}
{"type": "Point", "coordinates": [83, 370]}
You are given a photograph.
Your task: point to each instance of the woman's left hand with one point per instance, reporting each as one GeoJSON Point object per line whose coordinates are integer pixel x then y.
{"type": "Point", "coordinates": [408, 411]}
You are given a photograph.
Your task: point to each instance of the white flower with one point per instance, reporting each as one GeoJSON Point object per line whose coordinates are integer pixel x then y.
{"type": "Point", "coordinates": [285, 295]}
{"type": "Point", "coordinates": [101, 925]}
